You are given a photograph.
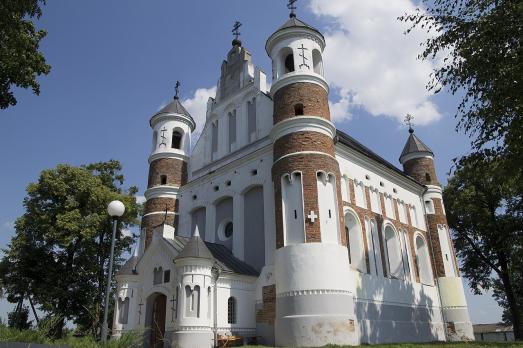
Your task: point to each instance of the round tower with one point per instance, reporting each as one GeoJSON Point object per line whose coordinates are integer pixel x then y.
{"type": "Point", "coordinates": [172, 127]}
{"type": "Point", "coordinates": [418, 162]}
{"type": "Point", "coordinates": [314, 302]}
{"type": "Point", "coordinates": [194, 295]}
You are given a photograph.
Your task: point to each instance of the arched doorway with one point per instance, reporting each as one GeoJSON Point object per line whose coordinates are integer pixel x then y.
{"type": "Point", "coordinates": [156, 305]}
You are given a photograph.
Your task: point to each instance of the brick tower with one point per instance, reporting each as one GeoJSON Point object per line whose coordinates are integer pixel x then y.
{"type": "Point", "coordinates": [313, 296]}
{"type": "Point", "coordinates": [172, 127]}
{"type": "Point", "coordinates": [418, 162]}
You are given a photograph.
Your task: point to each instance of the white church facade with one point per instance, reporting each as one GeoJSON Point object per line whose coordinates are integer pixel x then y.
{"type": "Point", "coordinates": [280, 229]}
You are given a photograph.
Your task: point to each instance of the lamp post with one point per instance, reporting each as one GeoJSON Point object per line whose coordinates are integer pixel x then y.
{"type": "Point", "coordinates": [115, 210]}
{"type": "Point", "coordinates": [215, 272]}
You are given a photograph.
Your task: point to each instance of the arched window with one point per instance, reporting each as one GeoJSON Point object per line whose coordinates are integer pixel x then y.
{"type": "Point", "coordinates": [289, 63]}
{"type": "Point", "coordinates": [427, 177]}
{"type": "Point", "coordinates": [394, 254]}
{"type": "Point", "coordinates": [298, 110]}
{"type": "Point", "coordinates": [155, 139]}
{"type": "Point", "coordinates": [355, 241]}
{"type": "Point", "coordinates": [123, 310]}
{"type": "Point", "coordinates": [196, 300]}
{"type": "Point", "coordinates": [317, 62]}
{"type": "Point", "coordinates": [157, 275]}
{"type": "Point", "coordinates": [423, 261]}
{"type": "Point", "coordinates": [231, 310]}
{"type": "Point", "coordinates": [176, 142]}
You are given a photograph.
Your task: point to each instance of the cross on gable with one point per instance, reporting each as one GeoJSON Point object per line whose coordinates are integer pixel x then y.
{"type": "Point", "coordinates": [291, 6]}
{"type": "Point", "coordinates": [235, 30]}
{"type": "Point", "coordinates": [312, 216]}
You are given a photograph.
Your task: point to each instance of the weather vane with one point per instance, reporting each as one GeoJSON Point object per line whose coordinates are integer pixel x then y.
{"type": "Point", "coordinates": [291, 6]}
{"type": "Point", "coordinates": [235, 30]}
{"type": "Point", "coordinates": [408, 122]}
{"type": "Point", "coordinates": [176, 89]}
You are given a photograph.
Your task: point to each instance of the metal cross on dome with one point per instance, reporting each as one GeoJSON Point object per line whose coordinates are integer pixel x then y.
{"type": "Point", "coordinates": [235, 30]}
{"type": "Point", "coordinates": [291, 6]}
{"type": "Point", "coordinates": [408, 121]}
{"type": "Point", "coordinates": [176, 89]}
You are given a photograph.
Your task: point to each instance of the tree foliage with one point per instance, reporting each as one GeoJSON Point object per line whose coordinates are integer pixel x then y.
{"type": "Point", "coordinates": [60, 250]}
{"type": "Point", "coordinates": [484, 209]}
{"type": "Point", "coordinates": [481, 41]}
{"type": "Point", "coordinates": [19, 318]}
{"type": "Point", "coordinates": [20, 60]}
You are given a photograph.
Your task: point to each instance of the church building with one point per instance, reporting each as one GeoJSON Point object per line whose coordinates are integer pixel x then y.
{"type": "Point", "coordinates": [282, 230]}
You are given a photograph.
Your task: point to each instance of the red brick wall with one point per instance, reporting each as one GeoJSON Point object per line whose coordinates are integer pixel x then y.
{"type": "Point", "coordinates": [174, 169]}
{"type": "Point", "coordinates": [313, 98]}
{"type": "Point", "coordinates": [303, 141]}
{"type": "Point", "coordinates": [419, 167]}
{"type": "Point", "coordinates": [268, 313]}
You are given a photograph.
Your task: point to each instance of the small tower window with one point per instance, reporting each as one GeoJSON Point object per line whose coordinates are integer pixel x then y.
{"type": "Point", "coordinates": [231, 310]}
{"type": "Point", "coordinates": [163, 179]}
{"type": "Point", "coordinates": [289, 63]}
{"type": "Point", "coordinates": [176, 140]}
{"type": "Point", "coordinates": [317, 62]}
{"type": "Point", "coordinates": [298, 110]}
{"type": "Point", "coordinates": [427, 177]}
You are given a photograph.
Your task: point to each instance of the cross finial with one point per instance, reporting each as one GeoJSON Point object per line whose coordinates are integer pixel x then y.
{"type": "Point", "coordinates": [291, 6]}
{"type": "Point", "coordinates": [176, 89]}
{"type": "Point", "coordinates": [408, 122]}
{"type": "Point", "coordinates": [235, 30]}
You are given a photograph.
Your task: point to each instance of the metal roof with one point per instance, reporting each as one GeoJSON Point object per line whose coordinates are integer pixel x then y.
{"type": "Point", "coordinates": [413, 145]}
{"type": "Point", "coordinates": [195, 248]}
{"type": "Point", "coordinates": [128, 267]}
{"type": "Point", "coordinates": [174, 107]}
{"type": "Point", "coordinates": [349, 141]}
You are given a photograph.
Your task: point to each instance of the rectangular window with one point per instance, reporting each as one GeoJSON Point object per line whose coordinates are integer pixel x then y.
{"type": "Point", "coordinates": [429, 206]}
{"type": "Point", "coordinates": [167, 276]}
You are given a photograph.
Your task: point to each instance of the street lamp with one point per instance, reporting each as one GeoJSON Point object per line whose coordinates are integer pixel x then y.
{"type": "Point", "coordinates": [115, 210]}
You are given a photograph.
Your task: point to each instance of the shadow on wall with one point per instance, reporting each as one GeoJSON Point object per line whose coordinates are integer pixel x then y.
{"type": "Point", "coordinates": [385, 316]}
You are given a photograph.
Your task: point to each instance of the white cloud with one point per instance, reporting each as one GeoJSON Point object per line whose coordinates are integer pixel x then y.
{"type": "Point", "coordinates": [197, 107]}
{"type": "Point", "coordinates": [127, 233]}
{"type": "Point", "coordinates": [140, 199]}
{"type": "Point", "coordinates": [370, 63]}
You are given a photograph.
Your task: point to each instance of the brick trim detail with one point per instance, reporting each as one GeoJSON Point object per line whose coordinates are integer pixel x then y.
{"type": "Point", "coordinates": [267, 314]}
{"type": "Point", "coordinates": [313, 97]}
{"type": "Point", "coordinates": [308, 165]}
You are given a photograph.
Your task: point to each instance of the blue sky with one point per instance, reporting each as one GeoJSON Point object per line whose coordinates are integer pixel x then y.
{"type": "Point", "coordinates": [114, 63]}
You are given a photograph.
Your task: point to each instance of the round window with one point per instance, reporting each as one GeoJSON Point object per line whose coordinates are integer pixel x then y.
{"type": "Point", "coordinates": [227, 232]}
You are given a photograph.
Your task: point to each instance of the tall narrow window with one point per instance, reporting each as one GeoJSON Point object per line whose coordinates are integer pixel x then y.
{"type": "Point", "coordinates": [163, 179]}
{"type": "Point", "coordinates": [413, 216]}
{"type": "Point", "coordinates": [231, 310]}
{"type": "Point", "coordinates": [123, 310]}
{"type": "Point", "coordinates": [214, 136]}
{"type": "Point", "coordinates": [157, 275]}
{"type": "Point", "coordinates": [251, 120]}
{"type": "Point", "coordinates": [423, 261]}
{"type": "Point", "coordinates": [327, 204]}
{"type": "Point", "coordinates": [289, 63]}
{"type": "Point", "coordinates": [292, 208]}
{"type": "Point", "coordinates": [394, 255]}
{"type": "Point", "coordinates": [360, 194]}
{"type": "Point", "coordinates": [232, 130]}
{"type": "Point", "coordinates": [317, 62]}
{"type": "Point", "coordinates": [209, 302]}
{"type": "Point", "coordinates": [345, 189]}
{"type": "Point", "coordinates": [427, 177]}
{"type": "Point", "coordinates": [375, 203]}
{"type": "Point", "coordinates": [176, 142]}
{"type": "Point", "coordinates": [356, 247]}
{"type": "Point", "coordinates": [196, 301]}
{"type": "Point", "coordinates": [389, 209]}
{"type": "Point", "coordinates": [298, 110]}
{"type": "Point", "coordinates": [401, 212]}
{"type": "Point", "coordinates": [155, 140]}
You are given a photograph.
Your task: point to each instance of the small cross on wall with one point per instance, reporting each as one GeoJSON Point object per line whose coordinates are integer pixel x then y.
{"type": "Point", "coordinates": [312, 216]}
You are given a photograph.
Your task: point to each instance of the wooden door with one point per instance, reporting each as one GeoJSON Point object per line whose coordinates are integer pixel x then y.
{"type": "Point", "coordinates": [158, 322]}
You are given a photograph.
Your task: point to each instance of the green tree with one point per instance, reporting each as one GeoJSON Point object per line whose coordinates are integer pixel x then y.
{"type": "Point", "coordinates": [19, 318]}
{"type": "Point", "coordinates": [483, 203]}
{"type": "Point", "coordinates": [60, 251]}
{"type": "Point", "coordinates": [20, 60]}
{"type": "Point", "coordinates": [481, 41]}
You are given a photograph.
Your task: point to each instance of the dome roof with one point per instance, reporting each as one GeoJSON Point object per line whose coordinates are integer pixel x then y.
{"type": "Point", "coordinates": [293, 23]}
{"type": "Point", "coordinates": [414, 145]}
{"type": "Point", "coordinates": [176, 108]}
